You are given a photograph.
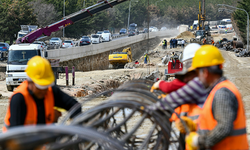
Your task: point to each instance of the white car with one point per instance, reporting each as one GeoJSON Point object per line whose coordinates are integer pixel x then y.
{"type": "Point", "coordinates": [155, 29]}
{"type": "Point", "coordinates": [55, 41]}
{"type": "Point", "coordinates": [68, 43]}
{"type": "Point", "coordinates": [96, 38]}
{"type": "Point", "coordinates": [163, 28]}
{"type": "Point", "coordinates": [106, 36]}
{"type": "Point", "coordinates": [43, 45]}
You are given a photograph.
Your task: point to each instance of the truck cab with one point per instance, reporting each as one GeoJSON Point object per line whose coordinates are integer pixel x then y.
{"type": "Point", "coordinates": [18, 57]}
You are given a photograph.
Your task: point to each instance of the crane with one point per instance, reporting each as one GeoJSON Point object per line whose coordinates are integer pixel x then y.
{"type": "Point", "coordinates": [68, 20]}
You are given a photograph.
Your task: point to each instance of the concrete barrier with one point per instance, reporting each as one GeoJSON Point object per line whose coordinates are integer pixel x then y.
{"type": "Point", "coordinates": [83, 51]}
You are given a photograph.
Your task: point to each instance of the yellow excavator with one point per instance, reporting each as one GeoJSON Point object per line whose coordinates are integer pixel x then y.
{"type": "Point", "coordinates": [119, 59]}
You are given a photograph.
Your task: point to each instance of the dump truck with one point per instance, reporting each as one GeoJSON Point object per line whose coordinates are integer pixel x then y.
{"type": "Point", "coordinates": [119, 59]}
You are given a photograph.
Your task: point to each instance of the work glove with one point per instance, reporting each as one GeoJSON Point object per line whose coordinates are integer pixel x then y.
{"type": "Point", "coordinates": [192, 141]}
{"type": "Point", "coordinates": [155, 86]}
{"type": "Point", "coordinates": [189, 123]}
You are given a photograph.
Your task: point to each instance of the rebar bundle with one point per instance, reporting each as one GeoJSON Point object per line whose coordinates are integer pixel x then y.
{"type": "Point", "coordinates": [118, 123]}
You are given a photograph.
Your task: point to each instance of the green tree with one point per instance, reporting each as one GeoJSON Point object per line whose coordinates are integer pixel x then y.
{"type": "Point", "coordinates": [14, 14]}
{"type": "Point", "coordinates": [241, 18]}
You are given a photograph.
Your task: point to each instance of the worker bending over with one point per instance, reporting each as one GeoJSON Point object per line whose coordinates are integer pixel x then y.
{"type": "Point", "coordinates": [34, 100]}
{"type": "Point", "coordinates": [186, 83]}
{"type": "Point", "coordinates": [222, 121]}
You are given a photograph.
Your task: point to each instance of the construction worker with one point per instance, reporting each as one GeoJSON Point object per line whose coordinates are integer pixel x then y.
{"type": "Point", "coordinates": [34, 100]}
{"type": "Point", "coordinates": [212, 41]}
{"type": "Point", "coordinates": [204, 41]}
{"type": "Point", "coordinates": [164, 44]}
{"type": "Point", "coordinates": [226, 31]}
{"type": "Point", "coordinates": [222, 121]}
{"type": "Point", "coordinates": [146, 58]}
{"type": "Point", "coordinates": [191, 88]}
{"type": "Point", "coordinates": [171, 43]}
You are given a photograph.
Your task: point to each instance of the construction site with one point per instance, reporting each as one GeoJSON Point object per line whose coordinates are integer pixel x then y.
{"type": "Point", "coordinates": [116, 87]}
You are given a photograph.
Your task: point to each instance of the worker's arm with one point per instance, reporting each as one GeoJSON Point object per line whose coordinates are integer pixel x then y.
{"type": "Point", "coordinates": [168, 87]}
{"type": "Point", "coordinates": [65, 101]}
{"type": "Point", "coordinates": [224, 108]}
{"type": "Point", "coordinates": [192, 92]}
{"type": "Point", "coordinates": [17, 110]}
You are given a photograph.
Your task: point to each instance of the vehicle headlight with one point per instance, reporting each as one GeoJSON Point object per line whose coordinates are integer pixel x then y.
{"type": "Point", "coordinates": [9, 75]}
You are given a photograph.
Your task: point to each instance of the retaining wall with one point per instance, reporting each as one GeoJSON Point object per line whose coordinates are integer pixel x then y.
{"type": "Point", "coordinates": [95, 56]}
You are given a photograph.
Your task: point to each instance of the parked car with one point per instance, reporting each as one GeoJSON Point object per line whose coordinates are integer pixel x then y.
{"type": "Point", "coordinates": [106, 35]}
{"type": "Point", "coordinates": [145, 30]}
{"type": "Point", "coordinates": [96, 38]}
{"type": "Point", "coordinates": [55, 41]}
{"type": "Point", "coordinates": [131, 33]}
{"type": "Point", "coordinates": [68, 43]}
{"type": "Point", "coordinates": [4, 46]}
{"type": "Point", "coordinates": [163, 28]}
{"type": "Point", "coordinates": [99, 32]}
{"type": "Point", "coordinates": [179, 42]}
{"type": "Point", "coordinates": [43, 45]}
{"type": "Point", "coordinates": [151, 28]}
{"type": "Point", "coordinates": [155, 29]}
{"type": "Point", "coordinates": [123, 31]}
{"type": "Point", "coordinates": [85, 40]}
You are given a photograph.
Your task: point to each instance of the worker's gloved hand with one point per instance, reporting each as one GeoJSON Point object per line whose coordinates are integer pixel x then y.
{"type": "Point", "coordinates": [189, 123]}
{"type": "Point", "coordinates": [57, 114]}
{"type": "Point", "coordinates": [155, 86]}
{"type": "Point", "coordinates": [192, 140]}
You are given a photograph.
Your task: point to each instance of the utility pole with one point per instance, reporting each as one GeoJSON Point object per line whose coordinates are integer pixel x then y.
{"type": "Point", "coordinates": [148, 28]}
{"type": "Point", "coordinates": [63, 14]}
{"type": "Point", "coordinates": [203, 16]}
{"type": "Point", "coordinates": [84, 4]}
{"type": "Point", "coordinates": [129, 12]}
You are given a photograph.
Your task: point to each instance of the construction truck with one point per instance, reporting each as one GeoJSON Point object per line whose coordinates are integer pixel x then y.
{"type": "Point", "coordinates": [203, 31]}
{"type": "Point", "coordinates": [119, 59]}
{"type": "Point", "coordinates": [68, 20]}
{"type": "Point", "coordinates": [25, 29]}
{"type": "Point", "coordinates": [23, 50]}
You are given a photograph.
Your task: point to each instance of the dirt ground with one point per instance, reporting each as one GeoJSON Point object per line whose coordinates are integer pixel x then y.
{"type": "Point", "coordinates": [236, 70]}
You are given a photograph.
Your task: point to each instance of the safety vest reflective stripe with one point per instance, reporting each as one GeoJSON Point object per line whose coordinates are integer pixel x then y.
{"type": "Point", "coordinates": [5, 125]}
{"type": "Point", "coordinates": [194, 117]}
{"type": "Point", "coordinates": [235, 132]}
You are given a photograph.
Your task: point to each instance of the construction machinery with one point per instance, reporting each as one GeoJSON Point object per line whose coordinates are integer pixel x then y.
{"type": "Point", "coordinates": [174, 65]}
{"type": "Point", "coordinates": [68, 20]}
{"type": "Point", "coordinates": [119, 59]}
{"type": "Point", "coordinates": [203, 31]}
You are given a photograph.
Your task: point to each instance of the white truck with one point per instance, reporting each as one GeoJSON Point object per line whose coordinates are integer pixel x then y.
{"type": "Point", "coordinates": [25, 29]}
{"type": "Point", "coordinates": [106, 36]}
{"type": "Point", "coordinates": [18, 57]}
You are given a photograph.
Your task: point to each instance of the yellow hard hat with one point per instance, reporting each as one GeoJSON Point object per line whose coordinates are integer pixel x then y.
{"type": "Point", "coordinates": [39, 71]}
{"type": "Point", "coordinates": [206, 56]}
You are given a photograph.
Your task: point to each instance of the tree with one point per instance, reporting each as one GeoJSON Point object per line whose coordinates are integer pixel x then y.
{"type": "Point", "coordinates": [45, 13]}
{"type": "Point", "coordinates": [14, 14]}
{"type": "Point", "coordinates": [241, 18]}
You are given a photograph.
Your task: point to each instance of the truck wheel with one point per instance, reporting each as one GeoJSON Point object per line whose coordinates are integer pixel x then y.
{"type": "Point", "coordinates": [9, 88]}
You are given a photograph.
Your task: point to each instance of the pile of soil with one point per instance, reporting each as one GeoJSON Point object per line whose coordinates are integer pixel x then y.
{"type": "Point", "coordinates": [186, 35]}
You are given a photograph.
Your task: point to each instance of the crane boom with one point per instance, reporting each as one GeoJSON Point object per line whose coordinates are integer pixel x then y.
{"type": "Point", "coordinates": [68, 20]}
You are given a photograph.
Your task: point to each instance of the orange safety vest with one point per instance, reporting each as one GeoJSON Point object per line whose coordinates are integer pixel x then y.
{"type": "Point", "coordinates": [31, 116]}
{"type": "Point", "coordinates": [237, 140]}
{"type": "Point", "coordinates": [192, 111]}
